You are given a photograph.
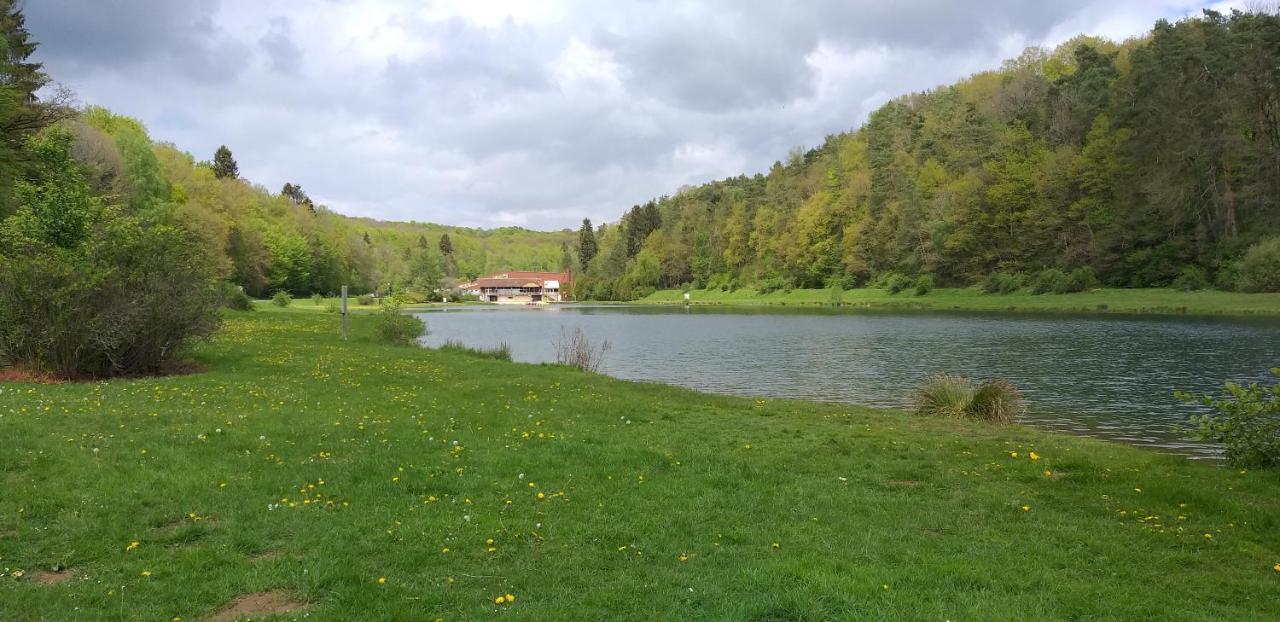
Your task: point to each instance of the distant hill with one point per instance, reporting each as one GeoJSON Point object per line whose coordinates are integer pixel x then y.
{"type": "Point", "coordinates": [1138, 164]}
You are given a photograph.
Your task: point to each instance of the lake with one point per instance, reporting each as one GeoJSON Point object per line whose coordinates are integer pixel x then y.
{"type": "Point", "coordinates": [1098, 375]}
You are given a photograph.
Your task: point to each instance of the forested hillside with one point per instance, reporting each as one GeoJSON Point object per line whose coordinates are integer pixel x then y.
{"type": "Point", "coordinates": [1148, 163]}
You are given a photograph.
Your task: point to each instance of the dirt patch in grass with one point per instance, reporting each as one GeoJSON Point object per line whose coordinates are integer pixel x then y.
{"type": "Point", "coordinates": [49, 577]}
{"type": "Point", "coordinates": [259, 604]}
{"type": "Point", "coordinates": [266, 556]}
{"type": "Point", "coordinates": [18, 373]}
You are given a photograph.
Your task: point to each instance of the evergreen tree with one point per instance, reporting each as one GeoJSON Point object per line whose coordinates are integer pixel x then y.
{"type": "Point", "coordinates": [422, 241]}
{"type": "Point", "coordinates": [21, 115]}
{"type": "Point", "coordinates": [586, 243]}
{"type": "Point", "coordinates": [367, 241]}
{"type": "Point", "coordinates": [566, 258]}
{"type": "Point", "coordinates": [446, 245]}
{"type": "Point", "coordinates": [224, 166]}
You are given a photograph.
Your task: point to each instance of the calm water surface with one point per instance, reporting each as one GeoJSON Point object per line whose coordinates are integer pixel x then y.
{"type": "Point", "coordinates": [1097, 375]}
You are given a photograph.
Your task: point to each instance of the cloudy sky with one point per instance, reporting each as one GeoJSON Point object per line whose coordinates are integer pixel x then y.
{"type": "Point", "coordinates": [523, 112]}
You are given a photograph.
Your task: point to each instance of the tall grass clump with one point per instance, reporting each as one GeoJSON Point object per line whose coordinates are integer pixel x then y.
{"type": "Point", "coordinates": [317, 299]}
{"type": "Point", "coordinates": [946, 395]}
{"type": "Point", "coordinates": [574, 349]}
{"type": "Point", "coordinates": [394, 327]}
{"type": "Point", "coordinates": [500, 352]}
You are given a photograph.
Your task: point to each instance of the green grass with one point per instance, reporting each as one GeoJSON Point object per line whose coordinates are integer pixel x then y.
{"type": "Point", "coordinates": [1208, 302]}
{"type": "Point", "coordinates": [605, 500]}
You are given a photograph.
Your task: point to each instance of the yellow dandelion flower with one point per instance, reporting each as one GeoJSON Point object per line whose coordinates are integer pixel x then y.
{"type": "Point", "coordinates": [382, 580]}
{"type": "Point", "coordinates": [1209, 536]}
{"type": "Point", "coordinates": [541, 496]}
{"type": "Point", "coordinates": [1013, 454]}
{"type": "Point", "coordinates": [1048, 473]}
{"type": "Point", "coordinates": [684, 558]}
{"type": "Point", "coordinates": [146, 573]}
{"type": "Point", "coordinates": [511, 598]}
{"type": "Point", "coordinates": [1276, 567]}
{"type": "Point", "coordinates": [776, 545]}
{"type": "Point", "coordinates": [1026, 508]}
{"type": "Point", "coordinates": [1034, 455]}
{"type": "Point", "coordinates": [132, 545]}
{"type": "Point", "coordinates": [499, 600]}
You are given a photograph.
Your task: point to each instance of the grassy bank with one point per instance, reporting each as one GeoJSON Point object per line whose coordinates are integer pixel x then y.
{"type": "Point", "coordinates": [948, 299]}
{"type": "Point", "coordinates": [371, 482]}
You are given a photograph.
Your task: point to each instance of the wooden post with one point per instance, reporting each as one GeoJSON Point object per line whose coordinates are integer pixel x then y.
{"type": "Point", "coordinates": [344, 312]}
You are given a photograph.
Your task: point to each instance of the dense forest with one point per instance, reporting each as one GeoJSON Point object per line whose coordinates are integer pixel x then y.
{"type": "Point", "coordinates": [1150, 163]}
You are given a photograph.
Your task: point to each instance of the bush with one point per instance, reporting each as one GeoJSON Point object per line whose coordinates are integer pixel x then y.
{"type": "Point", "coordinates": [91, 290]}
{"type": "Point", "coordinates": [365, 301]}
{"type": "Point", "coordinates": [895, 282]}
{"type": "Point", "coordinates": [500, 352]}
{"type": "Point", "coordinates": [1246, 421]}
{"type": "Point", "coordinates": [1191, 278]}
{"type": "Point", "coordinates": [394, 327]}
{"type": "Point", "coordinates": [1003, 282]}
{"type": "Point", "coordinates": [1227, 278]}
{"type": "Point", "coordinates": [924, 284]}
{"type": "Point", "coordinates": [770, 285]}
{"type": "Point", "coordinates": [234, 298]}
{"type": "Point", "coordinates": [945, 395]}
{"type": "Point", "coordinates": [281, 299]}
{"type": "Point", "coordinates": [575, 350]}
{"type": "Point", "coordinates": [333, 305]}
{"type": "Point", "coordinates": [317, 299]}
{"type": "Point", "coordinates": [1051, 281]}
{"type": "Point", "coordinates": [1260, 268]}
{"type": "Point", "coordinates": [1081, 279]}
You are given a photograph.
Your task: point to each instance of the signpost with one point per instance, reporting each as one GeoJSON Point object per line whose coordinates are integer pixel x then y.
{"type": "Point", "coordinates": [344, 312]}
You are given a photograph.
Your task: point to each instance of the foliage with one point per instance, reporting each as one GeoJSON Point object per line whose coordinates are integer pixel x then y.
{"type": "Point", "coordinates": [395, 327]}
{"type": "Point", "coordinates": [317, 299]}
{"type": "Point", "coordinates": [364, 300]}
{"type": "Point", "coordinates": [574, 349]}
{"type": "Point", "coordinates": [500, 352]}
{"type": "Point", "coordinates": [896, 283]}
{"type": "Point", "coordinates": [224, 166]}
{"type": "Point", "coordinates": [1259, 271]}
{"type": "Point", "coordinates": [234, 298]}
{"type": "Point", "coordinates": [924, 284]}
{"type": "Point", "coordinates": [333, 305]}
{"type": "Point", "coordinates": [1245, 420]}
{"type": "Point", "coordinates": [281, 298]}
{"type": "Point", "coordinates": [88, 289]}
{"type": "Point", "coordinates": [1003, 282]}
{"type": "Point", "coordinates": [945, 395]}
{"type": "Point", "coordinates": [1191, 278]}
{"type": "Point", "coordinates": [1051, 281]}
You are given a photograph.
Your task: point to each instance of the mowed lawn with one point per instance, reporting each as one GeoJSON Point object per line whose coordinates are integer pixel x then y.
{"type": "Point", "coordinates": [365, 481]}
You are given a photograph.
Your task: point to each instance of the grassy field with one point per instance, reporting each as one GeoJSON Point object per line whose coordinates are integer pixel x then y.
{"type": "Point", "coordinates": [353, 481]}
{"type": "Point", "coordinates": [1206, 302]}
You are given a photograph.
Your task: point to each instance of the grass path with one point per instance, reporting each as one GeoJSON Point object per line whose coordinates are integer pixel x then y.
{"type": "Point", "coordinates": [381, 483]}
{"type": "Point", "coordinates": [1162, 301]}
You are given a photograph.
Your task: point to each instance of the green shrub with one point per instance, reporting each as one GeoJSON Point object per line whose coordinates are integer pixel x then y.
{"type": "Point", "coordinates": [1260, 268]}
{"type": "Point", "coordinates": [332, 305]}
{"type": "Point", "coordinates": [1081, 280]}
{"type": "Point", "coordinates": [317, 299]}
{"type": "Point", "coordinates": [394, 327]}
{"type": "Point", "coordinates": [500, 352]}
{"type": "Point", "coordinates": [1191, 278]}
{"type": "Point", "coordinates": [281, 299]}
{"type": "Point", "coordinates": [364, 300]}
{"type": "Point", "coordinates": [770, 285]}
{"type": "Point", "coordinates": [234, 298]}
{"type": "Point", "coordinates": [895, 283]}
{"type": "Point", "coordinates": [1227, 277]}
{"type": "Point", "coordinates": [92, 290]}
{"type": "Point", "coordinates": [1051, 281]}
{"type": "Point", "coordinates": [1245, 420]}
{"type": "Point", "coordinates": [924, 284]}
{"type": "Point", "coordinates": [945, 395]}
{"type": "Point", "coordinates": [835, 293]}
{"type": "Point", "coordinates": [1002, 282]}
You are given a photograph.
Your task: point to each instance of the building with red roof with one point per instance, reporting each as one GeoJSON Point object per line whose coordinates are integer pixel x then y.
{"type": "Point", "coordinates": [521, 287]}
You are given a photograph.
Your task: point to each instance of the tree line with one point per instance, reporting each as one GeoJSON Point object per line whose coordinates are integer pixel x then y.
{"type": "Point", "coordinates": [1148, 163]}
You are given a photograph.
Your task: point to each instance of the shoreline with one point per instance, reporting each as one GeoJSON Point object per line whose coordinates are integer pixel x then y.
{"type": "Point", "coordinates": [1099, 301]}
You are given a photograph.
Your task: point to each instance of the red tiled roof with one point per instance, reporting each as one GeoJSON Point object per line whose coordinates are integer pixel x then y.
{"type": "Point", "coordinates": [494, 282]}
{"type": "Point", "coordinates": [563, 277]}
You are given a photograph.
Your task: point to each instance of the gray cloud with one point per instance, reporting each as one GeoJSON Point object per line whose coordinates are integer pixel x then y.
{"type": "Point", "coordinates": [481, 114]}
